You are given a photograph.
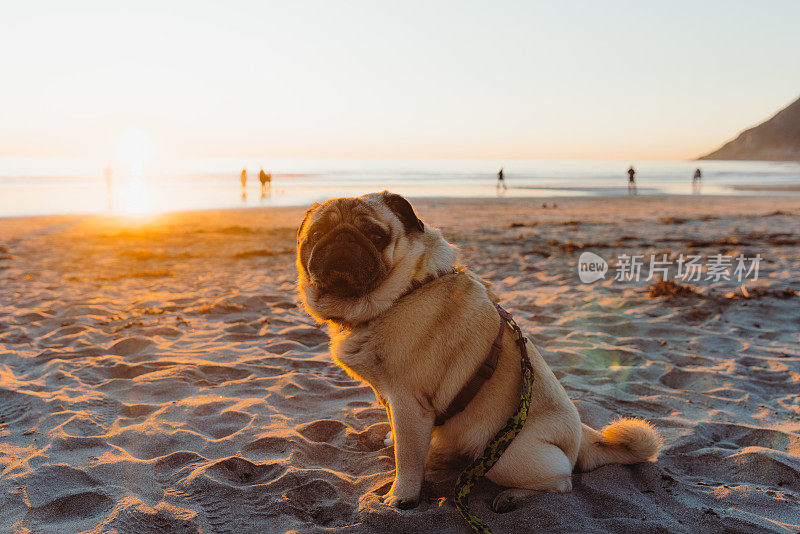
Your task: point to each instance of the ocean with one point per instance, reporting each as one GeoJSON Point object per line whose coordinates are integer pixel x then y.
{"type": "Point", "coordinates": [43, 186]}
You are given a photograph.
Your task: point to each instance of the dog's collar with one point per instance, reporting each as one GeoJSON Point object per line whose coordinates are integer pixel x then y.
{"type": "Point", "coordinates": [416, 284]}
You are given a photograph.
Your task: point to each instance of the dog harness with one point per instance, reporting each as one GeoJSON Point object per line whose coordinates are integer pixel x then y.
{"type": "Point", "coordinates": [484, 372]}
{"type": "Point", "coordinates": [498, 445]}
{"type": "Point", "coordinates": [500, 442]}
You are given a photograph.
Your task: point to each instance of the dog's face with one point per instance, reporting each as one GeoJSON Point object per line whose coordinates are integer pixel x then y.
{"type": "Point", "coordinates": [350, 248]}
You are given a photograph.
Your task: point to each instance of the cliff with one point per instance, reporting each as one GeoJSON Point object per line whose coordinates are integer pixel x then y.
{"type": "Point", "coordinates": [777, 139]}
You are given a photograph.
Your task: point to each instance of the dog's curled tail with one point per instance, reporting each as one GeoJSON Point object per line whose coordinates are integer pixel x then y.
{"type": "Point", "coordinates": [625, 441]}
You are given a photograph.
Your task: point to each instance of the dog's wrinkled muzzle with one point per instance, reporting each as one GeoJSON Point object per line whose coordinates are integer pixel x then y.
{"type": "Point", "coordinates": [344, 263]}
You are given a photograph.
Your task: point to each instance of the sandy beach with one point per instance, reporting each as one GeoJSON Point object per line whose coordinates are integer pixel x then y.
{"type": "Point", "coordinates": [158, 374]}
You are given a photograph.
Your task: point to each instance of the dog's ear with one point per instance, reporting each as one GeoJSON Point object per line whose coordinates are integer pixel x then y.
{"type": "Point", "coordinates": [404, 211]}
{"type": "Point", "coordinates": [309, 211]}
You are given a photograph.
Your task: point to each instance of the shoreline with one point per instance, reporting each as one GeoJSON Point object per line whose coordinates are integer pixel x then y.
{"type": "Point", "coordinates": [520, 201]}
{"type": "Point", "coordinates": [784, 187]}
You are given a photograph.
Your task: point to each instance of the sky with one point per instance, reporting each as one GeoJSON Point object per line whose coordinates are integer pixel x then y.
{"type": "Point", "coordinates": [435, 79]}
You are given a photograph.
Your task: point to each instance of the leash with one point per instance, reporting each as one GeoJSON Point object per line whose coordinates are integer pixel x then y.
{"type": "Point", "coordinates": [491, 454]}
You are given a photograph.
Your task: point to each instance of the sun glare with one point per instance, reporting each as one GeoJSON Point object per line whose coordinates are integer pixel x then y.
{"type": "Point", "coordinates": [135, 150]}
{"type": "Point", "coordinates": [136, 197]}
{"type": "Point", "coordinates": [134, 153]}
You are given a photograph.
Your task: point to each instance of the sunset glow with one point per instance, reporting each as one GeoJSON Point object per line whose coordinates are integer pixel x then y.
{"type": "Point", "coordinates": [135, 151]}
{"type": "Point", "coordinates": [136, 197]}
{"type": "Point", "coordinates": [582, 80]}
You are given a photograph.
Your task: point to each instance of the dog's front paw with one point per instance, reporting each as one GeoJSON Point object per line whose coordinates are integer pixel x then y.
{"type": "Point", "coordinates": [398, 502]}
{"type": "Point", "coordinates": [387, 441]}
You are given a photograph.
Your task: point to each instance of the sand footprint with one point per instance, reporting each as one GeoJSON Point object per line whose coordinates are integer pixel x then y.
{"type": "Point", "coordinates": [242, 472]}
{"type": "Point", "coordinates": [130, 514]}
{"type": "Point", "coordinates": [323, 431]}
{"type": "Point", "coordinates": [269, 448]}
{"type": "Point", "coordinates": [77, 509]}
{"type": "Point", "coordinates": [130, 346]}
{"type": "Point", "coordinates": [168, 468]}
{"type": "Point", "coordinates": [59, 494]}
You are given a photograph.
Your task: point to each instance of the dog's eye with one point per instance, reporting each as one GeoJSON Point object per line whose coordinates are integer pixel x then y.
{"type": "Point", "coordinates": [377, 238]}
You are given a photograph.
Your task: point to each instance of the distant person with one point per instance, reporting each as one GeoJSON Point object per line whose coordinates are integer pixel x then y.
{"type": "Point", "coordinates": [109, 174]}
{"type": "Point", "coordinates": [264, 178]}
{"type": "Point", "coordinates": [243, 179]}
{"type": "Point", "coordinates": [631, 181]}
{"type": "Point", "coordinates": [501, 181]}
{"type": "Point", "coordinates": [696, 180]}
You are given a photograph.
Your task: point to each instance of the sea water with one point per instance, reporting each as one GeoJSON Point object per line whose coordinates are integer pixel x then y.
{"type": "Point", "coordinates": [39, 186]}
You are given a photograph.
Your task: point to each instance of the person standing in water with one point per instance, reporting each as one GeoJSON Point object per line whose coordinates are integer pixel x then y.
{"type": "Point", "coordinates": [244, 178]}
{"type": "Point", "coordinates": [631, 181]}
{"type": "Point", "coordinates": [501, 182]}
{"type": "Point", "coordinates": [696, 179]}
{"type": "Point", "coordinates": [262, 177]}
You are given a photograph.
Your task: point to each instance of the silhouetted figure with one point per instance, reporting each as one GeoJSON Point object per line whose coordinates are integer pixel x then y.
{"type": "Point", "coordinates": [631, 181]}
{"type": "Point", "coordinates": [243, 179]}
{"type": "Point", "coordinates": [265, 179]}
{"type": "Point", "coordinates": [501, 181]}
{"type": "Point", "coordinates": [109, 174]}
{"type": "Point", "coordinates": [696, 180]}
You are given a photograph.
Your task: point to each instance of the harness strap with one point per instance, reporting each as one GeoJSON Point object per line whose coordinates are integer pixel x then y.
{"type": "Point", "coordinates": [491, 454]}
{"type": "Point", "coordinates": [487, 367]}
{"type": "Point", "coordinates": [500, 442]}
{"type": "Point", "coordinates": [484, 373]}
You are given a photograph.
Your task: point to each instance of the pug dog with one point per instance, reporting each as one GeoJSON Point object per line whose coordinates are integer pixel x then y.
{"type": "Point", "coordinates": [404, 317]}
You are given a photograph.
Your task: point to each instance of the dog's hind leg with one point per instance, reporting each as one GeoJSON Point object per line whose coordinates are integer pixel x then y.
{"type": "Point", "coordinates": [536, 467]}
